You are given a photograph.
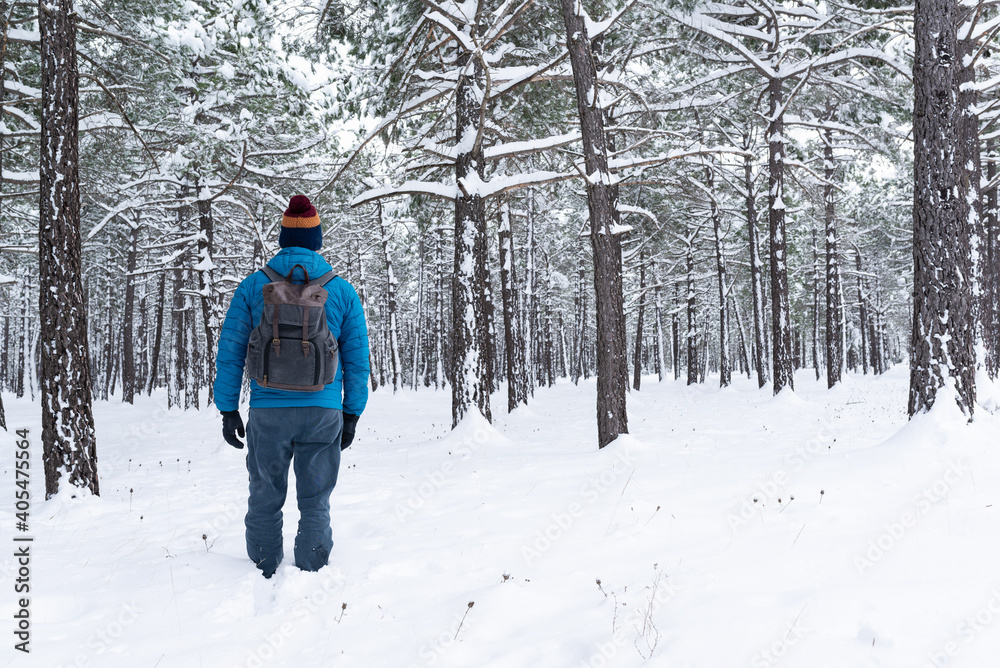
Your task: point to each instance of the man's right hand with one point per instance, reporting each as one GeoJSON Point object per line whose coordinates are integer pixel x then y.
{"type": "Point", "coordinates": [347, 435]}
{"type": "Point", "coordinates": [232, 424]}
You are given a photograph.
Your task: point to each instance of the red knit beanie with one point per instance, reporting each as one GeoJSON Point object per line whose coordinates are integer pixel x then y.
{"type": "Point", "coordinates": [300, 225]}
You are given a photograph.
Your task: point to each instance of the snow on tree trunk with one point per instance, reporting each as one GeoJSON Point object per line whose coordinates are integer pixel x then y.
{"type": "Point", "coordinates": [862, 311]}
{"type": "Point", "coordinates": [834, 304]}
{"type": "Point", "coordinates": [516, 390]}
{"type": "Point", "coordinates": [756, 275]}
{"type": "Point", "coordinates": [660, 361]}
{"type": "Point", "coordinates": [725, 364]}
{"type": "Point", "coordinates": [781, 331]}
{"type": "Point", "coordinates": [943, 326]}
{"type": "Point", "coordinates": [439, 364]}
{"type": "Point", "coordinates": [206, 286]}
{"type": "Point", "coordinates": [418, 330]}
{"type": "Point", "coordinates": [128, 349]}
{"type": "Point", "coordinates": [675, 338]}
{"type": "Point", "coordinates": [68, 437]}
{"type": "Point", "coordinates": [363, 297]}
{"type": "Point", "coordinates": [390, 294]}
{"type": "Point", "coordinates": [177, 347]}
{"type": "Point", "coordinates": [816, 309]}
{"type": "Point", "coordinates": [154, 362]}
{"type": "Point", "coordinates": [580, 326]}
{"type": "Point", "coordinates": [692, 317]}
{"type": "Point", "coordinates": [744, 356]}
{"type": "Point", "coordinates": [530, 299]}
{"type": "Point", "coordinates": [991, 273]}
{"type": "Point", "coordinates": [602, 202]}
{"type": "Point", "coordinates": [471, 368]}
{"type": "Point", "coordinates": [637, 349]}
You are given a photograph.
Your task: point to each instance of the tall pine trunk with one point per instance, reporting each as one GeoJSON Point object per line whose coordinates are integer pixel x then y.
{"type": "Point", "coordinates": [691, 337]}
{"type": "Point", "coordinates": [756, 274]}
{"type": "Point", "coordinates": [470, 362]}
{"type": "Point", "coordinates": [517, 393]}
{"type": "Point", "coordinates": [68, 437]}
{"type": "Point", "coordinates": [781, 330]}
{"type": "Point", "coordinates": [815, 318]}
{"type": "Point", "coordinates": [834, 305]}
{"type": "Point", "coordinates": [991, 280]}
{"type": "Point", "coordinates": [725, 363]}
{"type": "Point", "coordinates": [206, 286]}
{"type": "Point", "coordinates": [128, 348]}
{"type": "Point", "coordinates": [637, 348]}
{"type": "Point", "coordinates": [943, 328]}
{"type": "Point", "coordinates": [390, 293]}
{"type": "Point", "coordinates": [602, 203]}
{"type": "Point", "coordinates": [154, 362]}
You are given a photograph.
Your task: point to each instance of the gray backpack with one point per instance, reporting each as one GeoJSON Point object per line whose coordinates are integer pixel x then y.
{"type": "Point", "coordinates": [291, 348]}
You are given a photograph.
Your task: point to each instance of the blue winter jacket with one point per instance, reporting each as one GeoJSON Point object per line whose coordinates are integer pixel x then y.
{"type": "Point", "coordinates": [344, 316]}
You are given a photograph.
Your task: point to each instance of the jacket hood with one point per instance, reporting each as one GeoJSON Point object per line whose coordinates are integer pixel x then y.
{"type": "Point", "coordinates": [312, 261]}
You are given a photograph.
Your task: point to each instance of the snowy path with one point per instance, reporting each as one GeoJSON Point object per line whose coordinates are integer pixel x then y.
{"type": "Point", "coordinates": [699, 563]}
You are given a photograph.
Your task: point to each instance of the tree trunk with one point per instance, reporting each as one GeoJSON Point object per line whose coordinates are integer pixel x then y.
{"type": "Point", "coordinates": [834, 304]}
{"type": "Point", "coordinates": [815, 318]}
{"type": "Point", "coordinates": [675, 348]}
{"type": "Point", "coordinates": [781, 331]}
{"type": "Point", "coordinates": [206, 286]}
{"type": "Point", "coordinates": [580, 327]}
{"type": "Point", "coordinates": [756, 275]}
{"type": "Point", "coordinates": [516, 392]}
{"type": "Point", "coordinates": [154, 363]}
{"type": "Point", "coordinates": [744, 356]}
{"type": "Point", "coordinates": [637, 350]}
{"type": "Point", "coordinates": [22, 346]}
{"type": "Point", "coordinates": [991, 275]}
{"type": "Point", "coordinates": [142, 369]}
{"type": "Point", "coordinates": [418, 329]}
{"type": "Point", "coordinates": [660, 361]}
{"type": "Point", "coordinates": [471, 365]}
{"type": "Point", "coordinates": [178, 359]}
{"type": "Point", "coordinates": [943, 321]}
{"type": "Point", "coordinates": [691, 337]}
{"type": "Point", "coordinates": [5, 373]}
{"type": "Point", "coordinates": [68, 438]}
{"type": "Point", "coordinates": [390, 293]}
{"type": "Point", "coordinates": [725, 364]}
{"type": "Point", "coordinates": [602, 202]}
{"type": "Point", "coordinates": [128, 349]}
{"type": "Point", "coordinates": [192, 353]}
{"type": "Point", "coordinates": [862, 311]}
{"type": "Point", "coordinates": [363, 297]}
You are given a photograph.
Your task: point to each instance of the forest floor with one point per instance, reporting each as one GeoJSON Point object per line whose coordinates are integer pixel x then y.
{"type": "Point", "coordinates": [730, 528]}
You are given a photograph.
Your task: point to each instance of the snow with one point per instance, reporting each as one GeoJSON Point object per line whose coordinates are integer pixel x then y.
{"type": "Point", "coordinates": [730, 528]}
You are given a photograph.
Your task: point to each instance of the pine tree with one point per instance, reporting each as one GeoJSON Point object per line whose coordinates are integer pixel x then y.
{"type": "Point", "coordinates": [943, 329]}
{"type": "Point", "coordinates": [68, 437]}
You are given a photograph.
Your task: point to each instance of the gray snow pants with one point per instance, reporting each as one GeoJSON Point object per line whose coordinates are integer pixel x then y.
{"type": "Point", "coordinates": [308, 437]}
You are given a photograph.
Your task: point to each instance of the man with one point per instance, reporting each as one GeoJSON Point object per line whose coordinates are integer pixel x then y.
{"type": "Point", "coordinates": [305, 428]}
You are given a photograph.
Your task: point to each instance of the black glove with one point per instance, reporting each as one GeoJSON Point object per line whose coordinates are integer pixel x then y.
{"type": "Point", "coordinates": [232, 424]}
{"type": "Point", "coordinates": [347, 434]}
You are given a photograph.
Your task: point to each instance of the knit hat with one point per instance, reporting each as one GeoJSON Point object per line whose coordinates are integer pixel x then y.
{"type": "Point", "coordinates": [300, 225]}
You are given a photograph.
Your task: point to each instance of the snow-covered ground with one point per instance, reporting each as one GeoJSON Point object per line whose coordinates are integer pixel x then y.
{"type": "Point", "coordinates": [730, 528]}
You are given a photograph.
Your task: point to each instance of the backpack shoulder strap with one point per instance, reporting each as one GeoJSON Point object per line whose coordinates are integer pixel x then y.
{"type": "Point", "coordinates": [324, 279]}
{"type": "Point", "coordinates": [272, 274]}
